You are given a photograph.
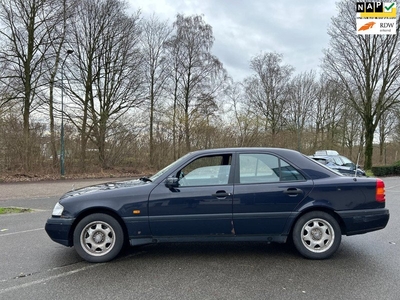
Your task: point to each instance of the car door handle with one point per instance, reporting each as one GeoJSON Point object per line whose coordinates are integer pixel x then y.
{"type": "Point", "coordinates": [293, 192]}
{"type": "Point", "coordinates": [221, 194]}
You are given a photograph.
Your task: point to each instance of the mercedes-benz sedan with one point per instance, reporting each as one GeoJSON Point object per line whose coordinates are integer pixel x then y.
{"type": "Point", "coordinates": [237, 194]}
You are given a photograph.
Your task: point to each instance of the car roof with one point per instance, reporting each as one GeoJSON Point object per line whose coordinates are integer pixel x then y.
{"type": "Point", "coordinates": [281, 151]}
{"type": "Point", "coordinates": [326, 152]}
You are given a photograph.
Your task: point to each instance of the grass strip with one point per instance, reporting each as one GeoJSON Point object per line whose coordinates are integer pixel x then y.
{"type": "Point", "coordinates": [13, 210]}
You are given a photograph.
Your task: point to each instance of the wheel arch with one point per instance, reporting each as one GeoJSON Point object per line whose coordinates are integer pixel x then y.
{"type": "Point", "coordinates": [98, 210]}
{"type": "Point", "coordinates": [325, 209]}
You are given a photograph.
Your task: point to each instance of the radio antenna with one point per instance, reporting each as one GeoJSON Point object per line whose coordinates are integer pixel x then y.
{"type": "Point", "coordinates": [355, 170]}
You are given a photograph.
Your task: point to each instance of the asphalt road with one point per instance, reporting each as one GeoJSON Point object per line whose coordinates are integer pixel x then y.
{"type": "Point", "coordinates": [34, 267]}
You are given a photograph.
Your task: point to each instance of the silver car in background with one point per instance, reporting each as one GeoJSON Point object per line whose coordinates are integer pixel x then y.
{"type": "Point", "coordinates": [337, 162]}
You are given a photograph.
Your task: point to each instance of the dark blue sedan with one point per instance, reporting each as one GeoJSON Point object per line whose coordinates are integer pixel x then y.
{"type": "Point", "coordinates": [238, 194]}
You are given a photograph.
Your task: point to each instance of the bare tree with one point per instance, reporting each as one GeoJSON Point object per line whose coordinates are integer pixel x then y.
{"type": "Point", "coordinates": [386, 127]}
{"type": "Point", "coordinates": [107, 76]}
{"type": "Point", "coordinates": [119, 84]}
{"type": "Point", "coordinates": [302, 95]}
{"type": "Point", "coordinates": [56, 57]}
{"type": "Point", "coordinates": [267, 90]}
{"type": "Point", "coordinates": [200, 75]}
{"type": "Point", "coordinates": [153, 39]}
{"type": "Point", "coordinates": [244, 123]}
{"type": "Point", "coordinates": [350, 124]}
{"type": "Point", "coordinates": [174, 79]}
{"type": "Point", "coordinates": [327, 115]}
{"type": "Point", "coordinates": [369, 68]}
{"type": "Point", "coordinates": [396, 131]}
{"type": "Point", "coordinates": [26, 33]}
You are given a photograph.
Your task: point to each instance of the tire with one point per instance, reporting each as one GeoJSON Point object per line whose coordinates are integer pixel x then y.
{"type": "Point", "coordinates": [98, 238]}
{"type": "Point", "coordinates": [317, 235]}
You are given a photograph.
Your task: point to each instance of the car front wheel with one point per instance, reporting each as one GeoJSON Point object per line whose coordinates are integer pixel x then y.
{"type": "Point", "coordinates": [98, 238]}
{"type": "Point", "coordinates": [317, 235]}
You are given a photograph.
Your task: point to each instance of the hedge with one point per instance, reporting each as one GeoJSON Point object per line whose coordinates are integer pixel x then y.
{"type": "Point", "coordinates": [393, 170]}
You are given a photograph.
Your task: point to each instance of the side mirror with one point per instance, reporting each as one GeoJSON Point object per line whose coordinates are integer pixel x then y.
{"type": "Point", "coordinates": [172, 182]}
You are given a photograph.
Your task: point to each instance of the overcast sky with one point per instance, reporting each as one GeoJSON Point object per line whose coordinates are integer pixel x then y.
{"type": "Point", "coordinates": [245, 28]}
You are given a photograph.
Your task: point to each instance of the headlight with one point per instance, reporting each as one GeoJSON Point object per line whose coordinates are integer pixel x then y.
{"type": "Point", "coordinates": [58, 209]}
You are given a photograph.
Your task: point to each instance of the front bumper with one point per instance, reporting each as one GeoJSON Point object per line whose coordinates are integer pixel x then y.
{"type": "Point", "coordinates": [362, 221]}
{"type": "Point", "coordinates": [59, 230]}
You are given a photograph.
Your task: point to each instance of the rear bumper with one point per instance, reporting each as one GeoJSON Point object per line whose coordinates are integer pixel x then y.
{"type": "Point", "coordinates": [59, 229]}
{"type": "Point", "coordinates": [362, 221]}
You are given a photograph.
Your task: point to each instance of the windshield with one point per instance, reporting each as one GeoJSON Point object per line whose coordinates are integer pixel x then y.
{"type": "Point", "coordinates": [169, 167]}
{"type": "Point", "coordinates": [347, 162]}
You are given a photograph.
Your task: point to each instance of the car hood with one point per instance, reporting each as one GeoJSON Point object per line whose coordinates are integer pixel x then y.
{"type": "Point", "coordinates": [103, 187]}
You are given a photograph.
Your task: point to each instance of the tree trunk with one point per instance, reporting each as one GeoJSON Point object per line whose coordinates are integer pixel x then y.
{"type": "Point", "coordinates": [369, 140]}
{"type": "Point", "coordinates": [27, 144]}
{"type": "Point", "coordinates": [52, 126]}
{"type": "Point", "coordinates": [151, 146]}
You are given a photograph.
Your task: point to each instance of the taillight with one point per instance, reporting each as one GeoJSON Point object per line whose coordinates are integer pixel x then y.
{"type": "Point", "coordinates": [380, 190]}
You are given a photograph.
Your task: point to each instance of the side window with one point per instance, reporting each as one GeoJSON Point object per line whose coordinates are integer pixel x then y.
{"type": "Point", "coordinates": [207, 170]}
{"type": "Point", "coordinates": [258, 168]}
{"type": "Point", "coordinates": [263, 168]}
{"type": "Point", "coordinates": [288, 173]}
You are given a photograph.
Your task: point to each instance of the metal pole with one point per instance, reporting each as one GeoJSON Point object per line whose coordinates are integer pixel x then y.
{"type": "Point", "coordinates": [62, 122]}
{"type": "Point", "coordinates": [62, 152]}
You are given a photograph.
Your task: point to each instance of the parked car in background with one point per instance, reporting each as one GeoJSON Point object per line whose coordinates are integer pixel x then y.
{"type": "Point", "coordinates": [340, 163]}
{"type": "Point", "coordinates": [215, 195]}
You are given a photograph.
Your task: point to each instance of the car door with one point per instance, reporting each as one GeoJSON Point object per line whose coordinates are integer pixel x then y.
{"type": "Point", "coordinates": [200, 204]}
{"type": "Point", "coordinates": [267, 190]}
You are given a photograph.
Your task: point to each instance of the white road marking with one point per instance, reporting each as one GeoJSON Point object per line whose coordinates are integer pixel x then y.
{"type": "Point", "coordinates": [18, 232]}
{"type": "Point", "coordinates": [43, 280]}
{"type": "Point", "coordinates": [28, 284]}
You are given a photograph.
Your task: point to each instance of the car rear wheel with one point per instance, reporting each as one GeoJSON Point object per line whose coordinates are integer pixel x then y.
{"type": "Point", "coordinates": [98, 238]}
{"type": "Point", "coordinates": [317, 235]}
